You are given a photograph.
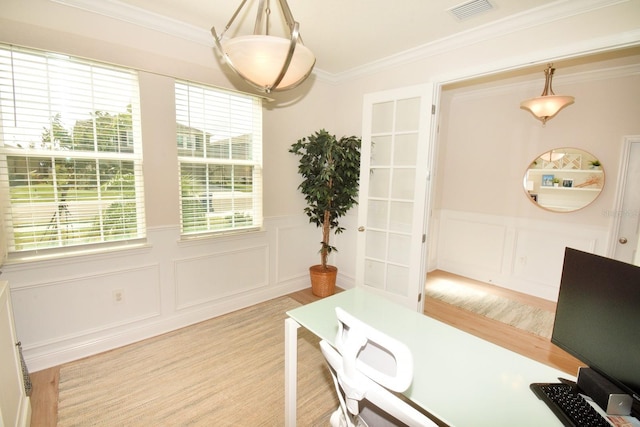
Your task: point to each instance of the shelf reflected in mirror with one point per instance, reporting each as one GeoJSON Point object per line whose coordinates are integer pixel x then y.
{"type": "Point", "coordinates": [564, 179]}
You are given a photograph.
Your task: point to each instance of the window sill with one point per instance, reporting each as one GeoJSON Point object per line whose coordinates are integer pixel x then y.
{"type": "Point", "coordinates": [78, 254]}
{"type": "Point", "coordinates": [201, 238]}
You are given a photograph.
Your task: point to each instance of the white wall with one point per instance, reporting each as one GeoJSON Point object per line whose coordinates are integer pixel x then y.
{"type": "Point", "coordinates": [64, 308]}
{"type": "Point", "coordinates": [496, 50]}
{"type": "Point", "coordinates": [487, 142]}
{"type": "Point", "coordinates": [488, 228]}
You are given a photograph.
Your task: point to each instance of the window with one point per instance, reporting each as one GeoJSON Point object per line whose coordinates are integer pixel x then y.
{"type": "Point", "coordinates": [219, 139]}
{"type": "Point", "coordinates": [70, 151]}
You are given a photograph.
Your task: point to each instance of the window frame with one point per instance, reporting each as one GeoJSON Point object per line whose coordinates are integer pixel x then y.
{"type": "Point", "coordinates": [236, 152]}
{"type": "Point", "coordinates": [125, 147]}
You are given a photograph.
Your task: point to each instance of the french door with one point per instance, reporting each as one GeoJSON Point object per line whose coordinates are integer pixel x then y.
{"type": "Point", "coordinates": [394, 193]}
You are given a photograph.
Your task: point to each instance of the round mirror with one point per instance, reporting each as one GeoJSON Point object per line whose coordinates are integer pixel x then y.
{"type": "Point", "coordinates": [564, 179]}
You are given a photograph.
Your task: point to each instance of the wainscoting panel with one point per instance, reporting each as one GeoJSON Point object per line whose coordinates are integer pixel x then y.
{"type": "Point", "coordinates": [71, 307]}
{"type": "Point", "coordinates": [539, 255]}
{"type": "Point", "coordinates": [471, 242]}
{"type": "Point", "coordinates": [61, 310]}
{"type": "Point", "coordinates": [298, 246]}
{"type": "Point", "coordinates": [346, 242]}
{"type": "Point", "coordinates": [210, 277]}
{"type": "Point", "coordinates": [525, 256]}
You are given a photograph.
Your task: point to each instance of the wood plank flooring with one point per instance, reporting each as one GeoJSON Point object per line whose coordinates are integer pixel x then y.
{"type": "Point", "coordinates": [507, 336]}
{"type": "Point", "coordinates": [44, 398]}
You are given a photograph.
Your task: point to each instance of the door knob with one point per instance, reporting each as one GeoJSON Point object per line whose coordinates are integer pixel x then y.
{"type": "Point", "coordinates": [622, 240]}
{"type": "Point", "coordinates": [361, 229]}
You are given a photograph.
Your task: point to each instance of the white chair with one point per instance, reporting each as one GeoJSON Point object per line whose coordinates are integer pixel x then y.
{"type": "Point", "coordinates": [367, 366]}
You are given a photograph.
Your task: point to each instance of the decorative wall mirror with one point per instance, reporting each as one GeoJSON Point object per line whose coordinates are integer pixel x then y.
{"type": "Point", "coordinates": [564, 179]}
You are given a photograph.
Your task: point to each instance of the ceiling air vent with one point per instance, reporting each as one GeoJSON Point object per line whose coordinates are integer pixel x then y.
{"type": "Point", "coordinates": [470, 8]}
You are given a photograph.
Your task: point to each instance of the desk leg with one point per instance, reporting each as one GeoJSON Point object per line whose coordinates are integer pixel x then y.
{"type": "Point", "coordinates": [290, 371]}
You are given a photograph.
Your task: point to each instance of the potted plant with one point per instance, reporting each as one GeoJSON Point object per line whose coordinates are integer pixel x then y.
{"type": "Point", "coordinates": [595, 164]}
{"type": "Point", "coordinates": [330, 170]}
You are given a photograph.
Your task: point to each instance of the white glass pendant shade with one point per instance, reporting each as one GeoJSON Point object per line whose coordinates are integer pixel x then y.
{"type": "Point", "coordinates": [545, 107]}
{"type": "Point", "coordinates": [260, 59]}
{"type": "Point", "coordinates": [552, 156]}
{"type": "Point", "coordinates": [548, 104]}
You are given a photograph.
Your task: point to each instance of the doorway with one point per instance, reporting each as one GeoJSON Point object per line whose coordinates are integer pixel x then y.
{"type": "Point", "coordinates": [626, 236]}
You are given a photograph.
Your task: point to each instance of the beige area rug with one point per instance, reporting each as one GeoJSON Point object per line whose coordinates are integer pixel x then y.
{"type": "Point", "coordinates": [514, 313]}
{"type": "Point", "coordinates": [227, 371]}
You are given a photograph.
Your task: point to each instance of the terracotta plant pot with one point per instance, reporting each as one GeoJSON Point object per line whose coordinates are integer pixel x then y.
{"type": "Point", "coordinates": [323, 281]}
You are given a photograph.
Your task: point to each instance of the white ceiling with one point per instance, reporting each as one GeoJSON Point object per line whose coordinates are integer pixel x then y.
{"type": "Point", "coordinates": [343, 34]}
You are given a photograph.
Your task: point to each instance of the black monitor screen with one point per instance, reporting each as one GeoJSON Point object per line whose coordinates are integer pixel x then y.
{"type": "Point", "coordinates": [598, 316]}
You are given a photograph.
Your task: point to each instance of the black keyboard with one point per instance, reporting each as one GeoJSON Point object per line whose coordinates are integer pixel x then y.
{"type": "Point", "coordinates": [568, 405]}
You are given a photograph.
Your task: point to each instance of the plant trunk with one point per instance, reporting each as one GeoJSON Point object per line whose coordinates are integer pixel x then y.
{"type": "Point", "coordinates": [326, 229]}
{"type": "Point", "coordinates": [326, 223]}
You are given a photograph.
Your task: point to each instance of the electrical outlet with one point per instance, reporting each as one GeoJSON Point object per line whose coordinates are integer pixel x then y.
{"type": "Point", "coordinates": [118, 296]}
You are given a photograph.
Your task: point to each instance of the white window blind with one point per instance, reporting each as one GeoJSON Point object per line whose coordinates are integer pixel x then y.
{"type": "Point", "coordinates": [219, 140]}
{"type": "Point", "coordinates": [70, 151]}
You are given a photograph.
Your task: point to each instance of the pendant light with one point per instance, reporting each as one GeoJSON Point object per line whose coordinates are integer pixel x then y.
{"type": "Point", "coordinates": [547, 105]}
{"type": "Point", "coordinates": [552, 156]}
{"type": "Point", "coordinates": [267, 62]}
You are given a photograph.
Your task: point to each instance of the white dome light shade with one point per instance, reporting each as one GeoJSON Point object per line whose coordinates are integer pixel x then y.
{"type": "Point", "coordinates": [545, 107]}
{"type": "Point", "coordinates": [260, 59]}
{"type": "Point", "coordinates": [552, 156]}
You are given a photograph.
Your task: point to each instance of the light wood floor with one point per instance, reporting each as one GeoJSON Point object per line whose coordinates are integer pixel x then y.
{"type": "Point", "coordinates": [44, 397]}
{"type": "Point", "coordinates": [522, 342]}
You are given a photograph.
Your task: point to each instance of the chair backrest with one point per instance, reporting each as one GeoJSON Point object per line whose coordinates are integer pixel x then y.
{"type": "Point", "coordinates": [368, 365]}
{"type": "Point", "coordinates": [380, 357]}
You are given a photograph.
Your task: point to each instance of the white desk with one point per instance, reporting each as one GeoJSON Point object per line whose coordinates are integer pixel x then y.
{"type": "Point", "coordinates": [461, 379]}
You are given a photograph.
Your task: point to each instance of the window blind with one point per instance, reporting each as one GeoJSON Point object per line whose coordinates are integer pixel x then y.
{"type": "Point", "coordinates": [219, 140]}
{"type": "Point", "coordinates": [70, 151]}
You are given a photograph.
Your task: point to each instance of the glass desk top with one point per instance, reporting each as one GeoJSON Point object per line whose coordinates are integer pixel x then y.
{"type": "Point", "coordinates": [461, 379]}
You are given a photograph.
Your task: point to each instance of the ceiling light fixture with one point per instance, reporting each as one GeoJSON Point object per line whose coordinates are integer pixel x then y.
{"type": "Point", "coordinates": [267, 62]}
{"type": "Point", "coordinates": [547, 105]}
{"type": "Point", "coordinates": [552, 156]}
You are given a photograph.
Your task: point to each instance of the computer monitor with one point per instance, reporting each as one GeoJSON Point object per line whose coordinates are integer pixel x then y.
{"type": "Point", "coordinates": [598, 317]}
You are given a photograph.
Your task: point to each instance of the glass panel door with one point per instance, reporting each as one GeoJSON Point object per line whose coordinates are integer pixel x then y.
{"type": "Point", "coordinates": [393, 193]}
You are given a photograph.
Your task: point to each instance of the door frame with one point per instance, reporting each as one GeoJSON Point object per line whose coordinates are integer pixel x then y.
{"type": "Point", "coordinates": [536, 59]}
{"type": "Point", "coordinates": [621, 182]}
{"type": "Point", "coordinates": [494, 68]}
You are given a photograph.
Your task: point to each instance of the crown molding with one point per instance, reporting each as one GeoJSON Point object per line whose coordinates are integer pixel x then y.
{"type": "Point", "coordinates": [143, 18]}
{"type": "Point", "coordinates": [610, 73]}
{"type": "Point", "coordinates": [560, 9]}
{"type": "Point", "coordinates": [543, 56]}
